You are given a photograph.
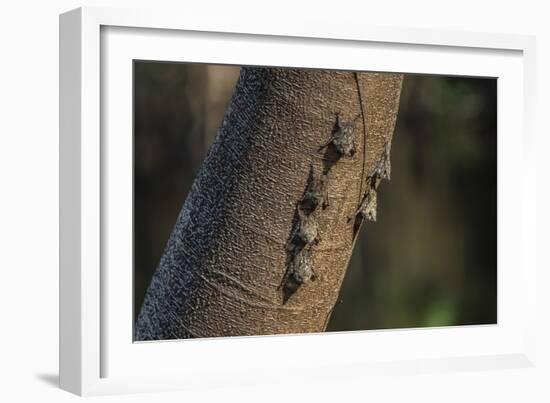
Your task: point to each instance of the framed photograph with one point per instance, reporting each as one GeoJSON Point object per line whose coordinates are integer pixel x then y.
{"type": "Point", "coordinates": [245, 204]}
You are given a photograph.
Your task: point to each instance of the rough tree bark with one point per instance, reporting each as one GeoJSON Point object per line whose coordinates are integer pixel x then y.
{"type": "Point", "coordinates": [221, 271]}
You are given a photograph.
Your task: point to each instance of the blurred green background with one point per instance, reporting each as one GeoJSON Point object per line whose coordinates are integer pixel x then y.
{"type": "Point", "coordinates": [429, 260]}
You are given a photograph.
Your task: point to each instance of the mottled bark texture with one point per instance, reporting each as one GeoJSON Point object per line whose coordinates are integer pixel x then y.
{"type": "Point", "coordinates": [221, 272]}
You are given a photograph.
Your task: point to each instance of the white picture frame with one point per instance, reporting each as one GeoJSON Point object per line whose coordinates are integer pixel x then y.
{"type": "Point", "coordinates": [97, 355]}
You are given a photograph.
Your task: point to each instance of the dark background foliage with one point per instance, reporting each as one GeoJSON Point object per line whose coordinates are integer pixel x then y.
{"type": "Point", "coordinates": [429, 260]}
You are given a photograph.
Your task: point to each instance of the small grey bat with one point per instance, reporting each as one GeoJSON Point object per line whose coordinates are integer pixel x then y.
{"type": "Point", "coordinates": [306, 232]}
{"type": "Point", "coordinates": [383, 167]}
{"type": "Point", "coordinates": [382, 170]}
{"type": "Point", "coordinates": [300, 270]}
{"type": "Point", "coordinates": [316, 193]}
{"type": "Point", "coordinates": [367, 207]}
{"type": "Point", "coordinates": [343, 137]}
{"type": "Point", "coordinates": [301, 266]}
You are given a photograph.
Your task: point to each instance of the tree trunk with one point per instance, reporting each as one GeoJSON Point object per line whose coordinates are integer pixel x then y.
{"type": "Point", "coordinates": [225, 261]}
